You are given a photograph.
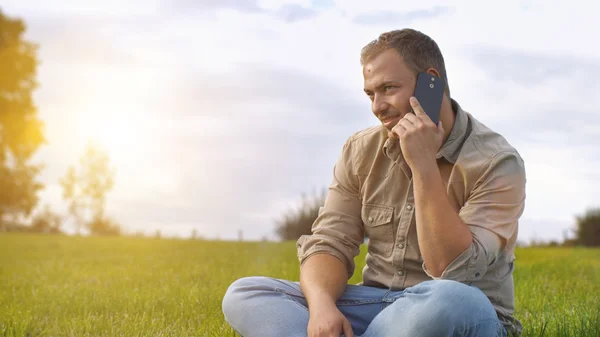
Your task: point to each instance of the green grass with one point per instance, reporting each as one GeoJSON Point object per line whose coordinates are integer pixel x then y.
{"type": "Point", "coordinates": [77, 286]}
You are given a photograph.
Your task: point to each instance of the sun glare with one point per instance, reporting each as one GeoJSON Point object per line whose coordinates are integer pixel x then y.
{"type": "Point", "coordinates": [120, 134]}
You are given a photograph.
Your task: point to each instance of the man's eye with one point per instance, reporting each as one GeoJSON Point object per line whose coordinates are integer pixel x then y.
{"type": "Point", "coordinates": [388, 87]}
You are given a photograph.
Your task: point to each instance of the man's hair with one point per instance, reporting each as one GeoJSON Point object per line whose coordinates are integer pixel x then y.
{"type": "Point", "coordinates": [418, 51]}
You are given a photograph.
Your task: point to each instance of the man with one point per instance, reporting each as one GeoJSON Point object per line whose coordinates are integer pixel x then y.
{"type": "Point", "coordinates": [440, 205]}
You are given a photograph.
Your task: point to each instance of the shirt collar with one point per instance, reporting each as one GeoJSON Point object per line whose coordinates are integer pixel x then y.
{"type": "Point", "coordinates": [451, 148]}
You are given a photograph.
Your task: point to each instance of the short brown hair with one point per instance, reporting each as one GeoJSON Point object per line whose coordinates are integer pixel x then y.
{"type": "Point", "coordinates": [418, 51]}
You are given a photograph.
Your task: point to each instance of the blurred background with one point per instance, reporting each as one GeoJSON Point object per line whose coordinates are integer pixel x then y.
{"type": "Point", "coordinates": [223, 119]}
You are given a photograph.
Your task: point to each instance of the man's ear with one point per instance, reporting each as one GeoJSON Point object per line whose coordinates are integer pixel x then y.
{"type": "Point", "coordinates": [433, 71]}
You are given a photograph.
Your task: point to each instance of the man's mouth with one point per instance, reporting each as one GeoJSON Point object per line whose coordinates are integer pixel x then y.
{"type": "Point", "coordinates": [390, 122]}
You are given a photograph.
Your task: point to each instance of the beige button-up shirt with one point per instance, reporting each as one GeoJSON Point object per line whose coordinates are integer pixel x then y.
{"type": "Point", "coordinates": [372, 194]}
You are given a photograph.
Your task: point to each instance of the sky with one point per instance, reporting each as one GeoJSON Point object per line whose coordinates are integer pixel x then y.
{"type": "Point", "coordinates": [219, 114]}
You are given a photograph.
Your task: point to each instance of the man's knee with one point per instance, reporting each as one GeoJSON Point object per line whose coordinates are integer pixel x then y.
{"type": "Point", "coordinates": [455, 290]}
{"type": "Point", "coordinates": [457, 304]}
{"type": "Point", "coordinates": [239, 292]}
{"type": "Point", "coordinates": [448, 306]}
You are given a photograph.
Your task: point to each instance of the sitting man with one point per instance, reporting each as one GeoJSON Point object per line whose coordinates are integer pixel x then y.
{"type": "Point", "coordinates": [440, 205]}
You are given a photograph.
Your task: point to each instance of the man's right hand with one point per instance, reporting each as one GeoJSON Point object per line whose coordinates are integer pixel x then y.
{"type": "Point", "coordinates": [323, 280]}
{"type": "Point", "coordinates": [326, 320]}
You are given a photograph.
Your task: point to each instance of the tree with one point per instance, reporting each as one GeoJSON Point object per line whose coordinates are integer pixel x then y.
{"type": "Point", "coordinates": [296, 223]}
{"type": "Point", "coordinates": [21, 131]}
{"type": "Point", "coordinates": [588, 228]}
{"type": "Point", "coordinates": [46, 221]}
{"type": "Point", "coordinates": [104, 226]}
{"type": "Point", "coordinates": [85, 190]}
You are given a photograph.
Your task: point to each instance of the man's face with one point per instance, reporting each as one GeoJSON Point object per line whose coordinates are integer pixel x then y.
{"type": "Point", "coordinates": [389, 83]}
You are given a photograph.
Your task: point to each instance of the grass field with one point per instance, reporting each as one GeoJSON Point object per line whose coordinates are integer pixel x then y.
{"type": "Point", "coordinates": [77, 286]}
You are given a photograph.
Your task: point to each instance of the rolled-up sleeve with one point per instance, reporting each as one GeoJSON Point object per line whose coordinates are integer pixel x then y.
{"type": "Point", "coordinates": [338, 229]}
{"type": "Point", "coordinates": [492, 213]}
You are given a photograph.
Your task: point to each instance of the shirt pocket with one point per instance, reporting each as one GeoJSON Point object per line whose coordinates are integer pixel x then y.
{"type": "Point", "coordinates": [378, 221]}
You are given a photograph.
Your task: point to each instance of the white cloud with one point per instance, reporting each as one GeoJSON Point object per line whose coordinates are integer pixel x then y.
{"type": "Point", "coordinates": [75, 7]}
{"type": "Point", "coordinates": [405, 18]}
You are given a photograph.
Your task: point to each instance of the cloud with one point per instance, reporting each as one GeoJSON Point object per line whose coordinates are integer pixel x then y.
{"type": "Point", "coordinates": [547, 98]}
{"type": "Point", "coordinates": [291, 13]}
{"type": "Point", "coordinates": [90, 39]}
{"type": "Point", "coordinates": [400, 18]}
{"type": "Point", "coordinates": [315, 100]}
{"type": "Point", "coordinates": [533, 69]}
{"type": "Point", "coordinates": [322, 4]}
{"type": "Point", "coordinates": [183, 6]}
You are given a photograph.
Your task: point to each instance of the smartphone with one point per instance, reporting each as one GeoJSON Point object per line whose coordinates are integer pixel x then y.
{"type": "Point", "coordinates": [429, 91]}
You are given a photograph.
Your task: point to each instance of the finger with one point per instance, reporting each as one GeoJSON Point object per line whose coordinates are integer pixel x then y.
{"type": "Point", "coordinates": [348, 329]}
{"type": "Point", "coordinates": [407, 124]}
{"type": "Point", "coordinates": [398, 131]}
{"type": "Point", "coordinates": [441, 128]}
{"type": "Point", "coordinates": [417, 108]}
{"type": "Point", "coordinates": [416, 121]}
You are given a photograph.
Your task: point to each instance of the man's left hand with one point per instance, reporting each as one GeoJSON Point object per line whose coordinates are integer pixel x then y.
{"type": "Point", "coordinates": [420, 139]}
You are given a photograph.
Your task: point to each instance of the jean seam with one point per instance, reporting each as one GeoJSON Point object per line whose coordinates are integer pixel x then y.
{"type": "Point", "coordinates": [281, 290]}
{"type": "Point", "coordinates": [358, 302]}
{"type": "Point", "coordinates": [291, 298]}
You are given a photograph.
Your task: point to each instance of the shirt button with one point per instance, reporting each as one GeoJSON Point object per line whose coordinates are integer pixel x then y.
{"type": "Point", "coordinates": [409, 207]}
{"type": "Point", "coordinates": [401, 245]}
{"type": "Point", "coordinates": [401, 272]}
{"type": "Point", "coordinates": [370, 219]}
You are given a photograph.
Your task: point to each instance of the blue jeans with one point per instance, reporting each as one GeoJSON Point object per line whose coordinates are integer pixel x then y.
{"type": "Point", "coordinates": [269, 307]}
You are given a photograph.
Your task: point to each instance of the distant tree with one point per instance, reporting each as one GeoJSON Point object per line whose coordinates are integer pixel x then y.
{"type": "Point", "coordinates": [85, 189]}
{"type": "Point", "coordinates": [569, 238]}
{"type": "Point", "coordinates": [298, 222]}
{"type": "Point", "coordinates": [46, 221]}
{"type": "Point", "coordinates": [104, 226]}
{"type": "Point", "coordinates": [588, 228]}
{"type": "Point", "coordinates": [21, 131]}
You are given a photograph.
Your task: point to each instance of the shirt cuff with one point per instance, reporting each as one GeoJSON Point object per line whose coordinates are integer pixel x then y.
{"type": "Point", "coordinates": [313, 246]}
{"type": "Point", "coordinates": [469, 266]}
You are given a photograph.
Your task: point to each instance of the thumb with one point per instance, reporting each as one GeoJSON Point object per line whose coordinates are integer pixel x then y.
{"type": "Point", "coordinates": [347, 329]}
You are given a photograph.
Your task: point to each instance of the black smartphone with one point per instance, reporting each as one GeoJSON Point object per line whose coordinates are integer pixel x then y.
{"type": "Point", "coordinates": [429, 91]}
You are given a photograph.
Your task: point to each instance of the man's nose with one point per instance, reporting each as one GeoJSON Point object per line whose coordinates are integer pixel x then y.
{"type": "Point", "coordinates": [379, 105]}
